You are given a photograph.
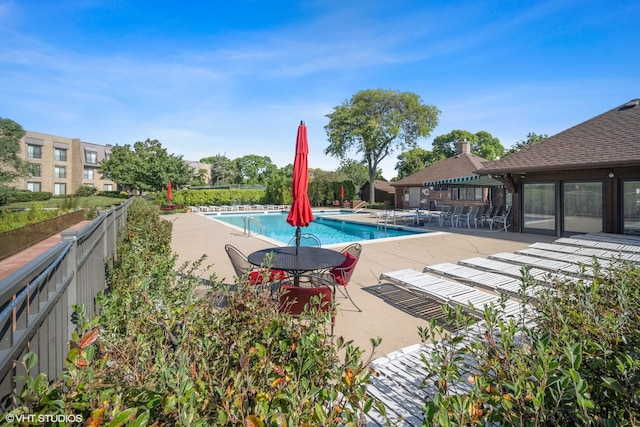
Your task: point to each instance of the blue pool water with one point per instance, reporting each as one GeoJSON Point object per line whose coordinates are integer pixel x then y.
{"type": "Point", "coordinates": [328, 230]}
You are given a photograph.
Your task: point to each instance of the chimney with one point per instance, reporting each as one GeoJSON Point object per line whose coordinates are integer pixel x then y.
{"type": "Point", "coordinates": [463, 147]}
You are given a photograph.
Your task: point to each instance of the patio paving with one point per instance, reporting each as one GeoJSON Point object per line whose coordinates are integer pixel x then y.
{"type": "Point", "coordinates": [195, 235]}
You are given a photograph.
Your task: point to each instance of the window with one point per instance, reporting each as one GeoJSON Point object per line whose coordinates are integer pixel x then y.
{"type": "Point", "coordinates": [34, 186]}
{"type": "Point", "coordinates": [631, 202]}
{"type": "Point", "coordinates": [88, 173]}
{"type": "Point", "coordinates": [59, 189]}
{"type": "Point", "coordinates": [91, 157]}
{"type": "Point", "coordinates": [467, 193]}
{"type": "Point", "coordinates": [35, 169]}
{"type": "Point", "coordinates": [582, 207]}
{"type": "Point", "coordinates": [539, 206]}
{"type": "Point", "coordinates": [60, 155]}
{"type": "Point", "coordinates": [34, 151]}
{"type": "Point", "coordinates": [108, 187]}
{"type": "Point", "coordinates": [60, 172]}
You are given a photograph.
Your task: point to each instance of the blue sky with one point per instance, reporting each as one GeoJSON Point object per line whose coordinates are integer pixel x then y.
{"type": "Point", "coordinates": [236, 77]}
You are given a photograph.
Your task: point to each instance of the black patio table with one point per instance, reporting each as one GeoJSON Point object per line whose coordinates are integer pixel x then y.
{"type": "Point", "coordinates": [308, 259]}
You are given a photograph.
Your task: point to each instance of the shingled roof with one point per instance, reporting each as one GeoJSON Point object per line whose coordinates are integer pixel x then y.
{"type": "Point", "coordinates": [382, 185]}
{"type": "Point", "coordinates": [610, 139]}
{"type": "Point", "coordinates": [459, 166]}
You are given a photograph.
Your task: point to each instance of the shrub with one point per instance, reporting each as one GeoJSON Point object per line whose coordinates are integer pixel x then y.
{"type": "Point", "coordinates": [86, 191]}
{"type": "Point", "coordinates": [213, 197]}
{"type": "Point", "coordinates": [167, 352]}
{"type": "Point", "coordinates": [12, 220]}
{"type": "Point", "coordinates": [29, 196]}
{"type": "Point", "coordinates": [579, 364]}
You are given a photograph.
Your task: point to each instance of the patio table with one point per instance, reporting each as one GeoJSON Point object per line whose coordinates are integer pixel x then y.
{"type": "Point", "coordinates": [308, 259]}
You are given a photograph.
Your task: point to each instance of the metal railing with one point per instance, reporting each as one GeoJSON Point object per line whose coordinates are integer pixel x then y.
{"type": "Point", "coordinates": [36, 301]}
{"type": "Point", "coordinates": [247, 226]}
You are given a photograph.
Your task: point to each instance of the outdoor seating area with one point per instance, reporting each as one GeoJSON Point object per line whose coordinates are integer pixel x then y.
{"type": "Point", "coordinates": [239, 208]}
{"type": "Point", "coordinates": [493, 217]}
{"type": "Point", "coordinates": [472, 284]}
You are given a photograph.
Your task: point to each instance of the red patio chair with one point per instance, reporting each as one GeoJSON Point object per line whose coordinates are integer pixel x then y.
{"type": "Point", "coordinates": [244, 269]}
{"type": "Point", "coordinates": [341, 275]}
{"type": "Point", "coordinates": [295, 300]}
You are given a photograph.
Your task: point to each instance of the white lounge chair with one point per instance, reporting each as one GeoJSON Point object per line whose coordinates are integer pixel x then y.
{"type": "Point", "coordinates": [495, 282]}
{"type": "Point", "coordinates": [453, 293]}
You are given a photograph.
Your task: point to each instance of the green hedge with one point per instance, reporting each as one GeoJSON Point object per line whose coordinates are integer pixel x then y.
{"type": "Point", "coordinates": [213, 197]}
{"type": "Point", "coordinates": [29, 196]}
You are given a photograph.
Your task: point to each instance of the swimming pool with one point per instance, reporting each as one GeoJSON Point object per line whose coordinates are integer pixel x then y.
{"type": "Point", "coordinates": [329, 230]}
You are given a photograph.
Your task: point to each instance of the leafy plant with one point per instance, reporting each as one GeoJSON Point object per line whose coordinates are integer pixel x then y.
{"type": "Point", "coordinates": [577, 366]}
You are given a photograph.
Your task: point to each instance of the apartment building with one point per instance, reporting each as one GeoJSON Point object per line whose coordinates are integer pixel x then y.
{"type": "Point", "coordinates": [62, 165]}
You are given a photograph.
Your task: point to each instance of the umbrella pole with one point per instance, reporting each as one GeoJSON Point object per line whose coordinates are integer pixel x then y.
{"type": "Point", "coordinates": [298, 236]}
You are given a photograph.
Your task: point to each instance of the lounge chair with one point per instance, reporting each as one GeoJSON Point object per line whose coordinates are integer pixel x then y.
{"type": "Point", "coordinates": [453, 293]}
{"type": "Point", "coordinates": [496, 282]}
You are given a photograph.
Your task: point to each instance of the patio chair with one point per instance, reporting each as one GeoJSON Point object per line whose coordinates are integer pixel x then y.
{"type": "Point", "coordinates": [502, 220]}
{"type": "Point", "coordinates": [489, 214]}
{"type": "Point", "coordinates": [444, 211]}
{"type": "Point", "coordinates": [339, 276]}
{"type": "Point", "coordinates": [470, 215]}
{"type": "Point", "coordinates": [453, 216]}
{"type": "Point", "coordinates": [295, 300]}
{"type": "Point", "coordinates": [245, 270]}
{"type": "Point", "coordinates": [306, 239]}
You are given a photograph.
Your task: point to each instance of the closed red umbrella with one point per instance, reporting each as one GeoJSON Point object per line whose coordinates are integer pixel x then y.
{"type": "Point", "coordinates": [341, 193]}
{"type": "Point", "coordinates": [300, 214]}
{"type": "Point", "coordinates": [169, 195]}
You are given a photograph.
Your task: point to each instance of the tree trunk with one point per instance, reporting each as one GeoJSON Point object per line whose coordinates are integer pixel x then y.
{"type": "Point", "coordinates": [372, 186]}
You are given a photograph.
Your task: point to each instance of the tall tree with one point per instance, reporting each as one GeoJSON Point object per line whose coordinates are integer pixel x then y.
{"type": "Point", "coordinates": [354, 171]}
{"type": "Point", "coordinates": [146, 167]}
{"type": "Point", "coordinates": [254, 169]}
{"type": "Point", "coordinates": [414, 160]}
{"type": "Point", "coordinates": [483, 144]}
{"type": "Point", "coordinates": [532, 138]}
{"type": "Point", "coordinates": [221, 169]}
{"type": "Point", "coordinates": [278, 189]}
{"type": "Point", "coordinates": [11, 164]}
{"type": "Point", "coordinates": [374, 122]}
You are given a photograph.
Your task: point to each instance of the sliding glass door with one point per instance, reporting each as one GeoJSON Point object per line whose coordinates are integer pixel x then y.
{"type": "Point", "coordinates": [583, 207]}
{"type": "Point", "coordinates": [539, 207]}
{"type": "Point", "coordinates": [631, 203]}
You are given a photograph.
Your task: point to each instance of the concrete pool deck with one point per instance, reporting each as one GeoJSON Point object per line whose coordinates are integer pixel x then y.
{"type": "Point", "coordinates": [195, 235]}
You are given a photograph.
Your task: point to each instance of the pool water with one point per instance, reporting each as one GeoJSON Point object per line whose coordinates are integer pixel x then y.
{"type": "Point", "coordinates": [328, 230]}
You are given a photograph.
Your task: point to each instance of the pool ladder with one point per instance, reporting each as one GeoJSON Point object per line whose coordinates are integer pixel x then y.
{"type": "Point", "coordinates": [247, 226]}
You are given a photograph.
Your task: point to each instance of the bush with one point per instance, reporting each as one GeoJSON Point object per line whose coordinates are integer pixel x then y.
{"type": "Point", "coordinates": [166, 352]}
{"type": "Point", "coordinates": [117, 194]}
{"type": "Point", "coordinates": [29, 196]}
{"type": "Point", "coordinates": [86, 191]}
{"type": "Point", "coordinates": [580, 364]}
{"type": "Point", "coordinates": [213, 197]}
{"type": "Point", "coordinates": [12, 220]}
